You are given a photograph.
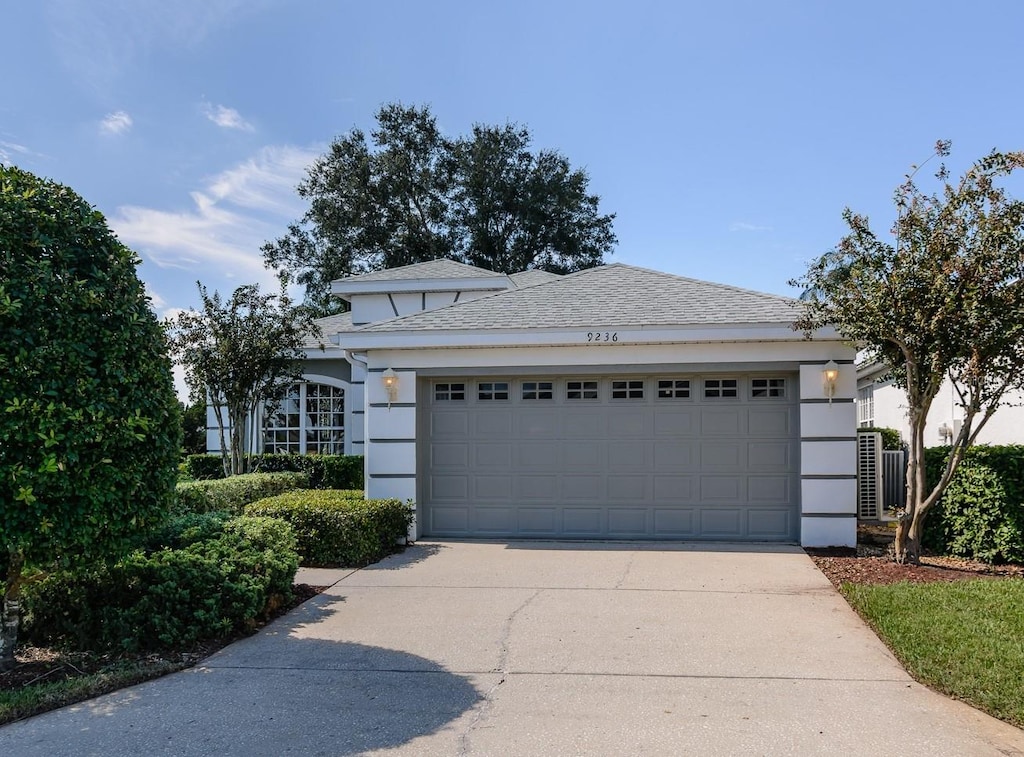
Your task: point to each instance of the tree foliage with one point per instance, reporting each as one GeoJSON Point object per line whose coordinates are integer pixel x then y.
{"type": "Point", "coordinates": [239, 353]}
{"type": "Point", "coordinates": [89, 428]}
{"type": "Point", "coordinates": [193, 428]}
{"type": "Point", "coordinates": [943, 299]}
{"type": "Point", "coordinates": [410, 194]}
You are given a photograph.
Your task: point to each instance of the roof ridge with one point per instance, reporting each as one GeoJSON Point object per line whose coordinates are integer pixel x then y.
{"type": "Point", "coordinates": [703, 282]}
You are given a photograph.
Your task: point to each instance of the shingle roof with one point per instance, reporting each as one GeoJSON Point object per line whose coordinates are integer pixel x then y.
{"type": "Point", "coordinates": [441, 268]}
{"type": "Point", "coordinates": [330, 325]}
{"type": "Point", "coordinates": [532, 278]}
{"type": "Point", "coordinates": [612, 295]}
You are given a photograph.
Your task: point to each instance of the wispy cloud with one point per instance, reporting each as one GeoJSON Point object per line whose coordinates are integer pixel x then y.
{"type": "Point", "coordinates": [8, 150]}
{"type": "Point", "coordinates": [230, 218]}
{"type": "Point", "coordinates": [745, 226]}
{"type": "Point", "coordinates": [117, 122]}
{"type": "Point", "coordinates": [226, 118]}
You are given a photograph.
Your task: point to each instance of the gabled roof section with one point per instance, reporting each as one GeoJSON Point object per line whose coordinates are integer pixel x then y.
{"type": "Point", "coordinates": [532, 277]}
{"type": "Point", "coordinates": [442, 268]}
{"type": "Point", "coordinates": [329, 326]}
{"type": "Point", "coordinates": [615, 295]}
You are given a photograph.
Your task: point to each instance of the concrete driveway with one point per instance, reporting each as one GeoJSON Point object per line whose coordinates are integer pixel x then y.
{"type": "Point", "coordinates": [543, 648]}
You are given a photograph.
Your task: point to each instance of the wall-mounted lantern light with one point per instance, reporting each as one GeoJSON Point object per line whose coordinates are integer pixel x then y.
{"type": "Point", "coordinates": [390, 381]}
{"type": "Point", "coordinates": [829, 377]}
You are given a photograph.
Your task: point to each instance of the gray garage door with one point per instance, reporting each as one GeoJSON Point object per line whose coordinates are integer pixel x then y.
{"type": "Point", "coordinates": [658, 457]}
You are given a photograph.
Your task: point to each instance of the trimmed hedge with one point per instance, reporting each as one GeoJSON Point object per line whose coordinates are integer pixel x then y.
{"type": "Point", "coordinates": [325, 471]}
{"type": "Point", "coordinates": [233, 494]}
{"type": "Point", "coordinates": [339, 528]}
{"type": "Point", "coordinates": [981, 513]}
{"type": "Point", "coordinates": [212, 575]}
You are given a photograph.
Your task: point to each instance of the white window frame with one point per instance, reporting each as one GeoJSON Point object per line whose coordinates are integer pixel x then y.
{"type": "Point", "coordinates": [866, 406]}
{"type": "Point", "coordinates": [301, 445]}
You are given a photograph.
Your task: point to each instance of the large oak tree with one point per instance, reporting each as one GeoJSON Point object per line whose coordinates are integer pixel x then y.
{"type": "Point", "coordinates": [941, 298]}
{"type": "Point", "coordinates": [410, 194]}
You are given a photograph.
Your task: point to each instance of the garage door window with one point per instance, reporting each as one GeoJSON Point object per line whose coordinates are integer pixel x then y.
{"type": "Point", "coordinates": [763, 388]}
{"type": "Point", "coordinates": [581, 390]}
{"type": "Point", "coordinates": [449, 392]}
{"type": "Point", "coordinates": [673, 388]}
{"type": "Point", "coordinates": [627, 390]}
{"type": "Point", "coordinates": [720, 389]}
{"type": "Point", "coordinates": [538, 390]}
{"type": "Point", "coordinates": [492, 390]}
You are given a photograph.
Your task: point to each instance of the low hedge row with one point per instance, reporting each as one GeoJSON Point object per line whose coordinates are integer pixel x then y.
{"type": "Point", "coordinates": [233, 494]}
{"type": "Point", "coordinates": [981, 513]}
{"type": "Point", "coordinates": [201, 576]}
{"type": "Point", "coordinates": [324, 471]}
{"type": "Point", "coordinates": [339, 528]}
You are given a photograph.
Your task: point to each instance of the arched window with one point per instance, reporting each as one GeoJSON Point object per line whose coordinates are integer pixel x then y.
{"type": "Point", "coordinates": [309, 419]}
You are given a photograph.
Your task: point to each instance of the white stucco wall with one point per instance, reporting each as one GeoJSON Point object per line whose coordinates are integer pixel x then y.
{"type": "Point", "coordinates": [1005, 427]}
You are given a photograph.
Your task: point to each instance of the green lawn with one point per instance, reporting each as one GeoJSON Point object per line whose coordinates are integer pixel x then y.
{"type": "Point", "coordinates": [964, 638]}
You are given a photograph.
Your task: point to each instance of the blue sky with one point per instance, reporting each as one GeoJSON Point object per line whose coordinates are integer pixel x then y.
{"type": "Point", "coordinates": [726, 136]}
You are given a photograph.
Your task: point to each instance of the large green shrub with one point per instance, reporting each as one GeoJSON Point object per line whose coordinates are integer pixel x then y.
{"type": "Point", "coordinates": [200, 576]}
{"type": "Point", "coordinates": [981, 513]}
{"type": "Point", "coordinates": [339, 527]}
{"type": "Point", "coordinates": [325, 471]}
{"type": "Point", "coordinates": [891, 438]}
{"type": "Point", "coordinates": [233, 494]}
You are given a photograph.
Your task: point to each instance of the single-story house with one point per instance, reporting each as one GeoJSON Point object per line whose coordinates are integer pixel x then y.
{"type": "Point", "coordinates": [882, 404]}
{"type": "Point", "coordinates": [612, 403]}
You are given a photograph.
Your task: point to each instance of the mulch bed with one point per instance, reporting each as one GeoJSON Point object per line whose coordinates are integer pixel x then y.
{"type": "Point", "coordinates": [40, 665]}
{"type": "Point", "coordinates": [870, 564]}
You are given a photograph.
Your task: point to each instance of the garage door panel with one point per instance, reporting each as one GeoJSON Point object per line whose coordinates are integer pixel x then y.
{"type": "Point", "coordinates": [534, 424]}
{"type": "Point", "coordinates": [721, 421]}
{"type": "Point", "coordinates": [673, 421]}
{"type": "Point", "coordinates": [583, 521]}
{"type": "Point", "coordinates": [627, 521]}
{"type": "Point", "coordinates": [587, 455]}
{"type": "Point", "coordinates": [493, 456]}
{"type": "Point", "coordinates": [721, 455]}
{"type": "Point", "coordinates": [680, 467]}
{"type": "Point", "coordinates": [675, 523]}
{"type": "Point", "coordinates": [769, 524]}
{"type": "Point", "coordinates": [455, 455]}
{"type": "Point", "coordinates": [723, 522]}
{"type": "Point", "coordinates": [581, 487]}
{"type": "Point", "coordinates": [451, 424]}
{"type": "Point", "coordinates": [774, 489]}
{"type": "Point", "coordinates": [675, 456]}
{"type": "Point", "coordinates": [721, 488]}
{"type": "Point", "coordinates": [449, 487]}
{"type": "Point", "coordinates": [493, 422]}
{"type": "Point", "coordinates": [627, 488]}
{"type": "Point", "coordinates": [673, 489]}
{"type": "Point", "coordinates": [539, 488]}
{"type": "Point", "coordinates": [771, 421]}
{"type": "Point", "coordinates": [538, 521]}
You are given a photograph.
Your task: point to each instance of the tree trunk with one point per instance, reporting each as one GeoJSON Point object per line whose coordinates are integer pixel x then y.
{"type": "Point", "coordinates": [907, 544]}
{"type": "Point", "coordinates": [10, 611]}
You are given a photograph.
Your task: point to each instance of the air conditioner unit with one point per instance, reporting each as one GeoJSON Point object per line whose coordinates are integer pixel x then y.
{"type": "Point", "coordinates": [869, 476]}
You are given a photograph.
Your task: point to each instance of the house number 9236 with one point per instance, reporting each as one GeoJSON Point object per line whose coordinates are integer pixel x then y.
{"type": "Point", "coordinates": [602, 336]}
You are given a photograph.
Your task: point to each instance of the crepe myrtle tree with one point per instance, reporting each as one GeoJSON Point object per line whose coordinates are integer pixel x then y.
{"type": "Point", "coordinates": [239, 353]}
{"type": "Point", "coordinates": [942, 298]}
{"type": "Point", "coordinates": [409, 194]}
{"type": "Point", "coordinates": [89, 428]}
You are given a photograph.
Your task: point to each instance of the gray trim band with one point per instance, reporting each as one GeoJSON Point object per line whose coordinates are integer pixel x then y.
{"type": "Point", "coordinates": [393, 305]}
{"type": "Point", "coordinates": [358, 412]}
{"type": "Point", "coordinates": [393, 404]}
{"type": "Point", "coordinates": [647, 370]}
{"type": "Point", "coordinates": [391, 441]}
{"type": "Point", "coordinates": [828, 515]}
{"type": "Point", "coordinates": [828, 438]}
{"type": "Point", "coordinates": [825, 362]}
{"type": "Point", "coordinates": [391, 475]}
{"type": "Point", "coordinates": [357, 383]}
{"type": "Point", "coordinates": [833, 401]}
{"type": "Point", "coordinates": [828, 476]}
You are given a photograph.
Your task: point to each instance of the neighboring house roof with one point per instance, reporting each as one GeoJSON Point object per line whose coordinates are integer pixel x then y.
{"type": "Point", "coordinates": [532, 278]}
{"type": "Point", "coordinates": [441, 268]}
{"type": "Point", "coordinates": [329, 326]}
{"type": "Point", "coordinates": [611, 295]}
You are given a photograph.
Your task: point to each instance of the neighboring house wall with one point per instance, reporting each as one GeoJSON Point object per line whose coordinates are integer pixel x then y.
{"type": "Point", "coordinates": [890, 411]}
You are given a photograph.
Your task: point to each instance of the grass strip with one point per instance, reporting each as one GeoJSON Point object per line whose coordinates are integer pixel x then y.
{"type": "Point", "coordinates": [965, 638]}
